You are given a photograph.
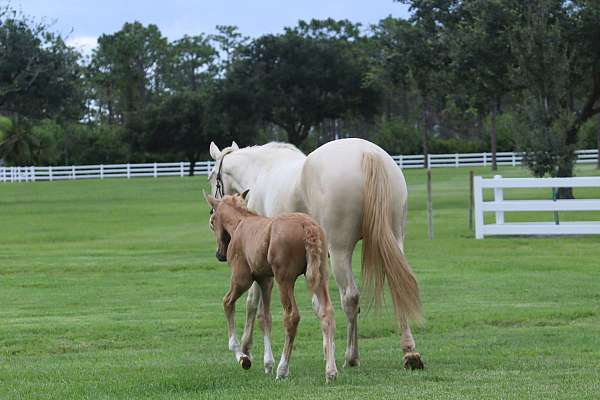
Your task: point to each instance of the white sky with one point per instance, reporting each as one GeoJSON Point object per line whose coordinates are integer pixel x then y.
{"type": "Point", "coordinates": [83, 21]}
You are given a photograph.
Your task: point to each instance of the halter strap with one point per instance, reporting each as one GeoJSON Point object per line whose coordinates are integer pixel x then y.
{"type": "Point", "coordinates": [220, 187]}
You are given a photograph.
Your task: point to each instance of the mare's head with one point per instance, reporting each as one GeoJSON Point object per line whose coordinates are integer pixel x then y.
{"type": "Point", "coordinates": [220, 184]}
{"type": "Point", "coordinates": [225, 215]}
{"type": "Point", "coordinates": [236, 169]}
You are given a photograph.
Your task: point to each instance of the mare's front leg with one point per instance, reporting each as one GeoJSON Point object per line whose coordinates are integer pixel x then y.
{"type": "Point", "coordinates": [240, 282]}
{"type": "Point", "coordinates": [266, 287]}
{"type": "Point", "coordinates": [291, 318]}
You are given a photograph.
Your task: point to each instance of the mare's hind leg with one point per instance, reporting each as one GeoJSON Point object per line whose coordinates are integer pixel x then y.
{"type": "Point", "coordinates": [341, 262]}
{"type": "Point", "coordinates": [266, 287]}
{"type": "Point", "coordinates": [291, 318]}
{"type": "Point", "coordinates": [411, 359]}
{"type": "Point", "coordinates": [239, 284]}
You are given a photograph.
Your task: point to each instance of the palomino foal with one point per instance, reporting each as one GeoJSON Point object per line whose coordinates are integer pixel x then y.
{"type": "Point", "coordinates": [258, 249]}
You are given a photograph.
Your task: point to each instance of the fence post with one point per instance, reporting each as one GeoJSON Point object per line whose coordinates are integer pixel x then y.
{"type": "Point", "coordinates": [50, 173]}
{"type": "Point", "coordinates": [155, 170]}
{"type": "Point", "coordinates": [101, 171]}
{"type": "Point", "coordinates": [3, 174]}
{"type": "Point", "coordinates": [32, 173]}
{"type": "Point", "coordinates": [181, 169]}
{"type": "Point", "coordinates": [128, 171]}
{"type": "Point", "coordinates": [456, 160]}
{"type": "Point", "coordinates": [401, 159]}
{"type": "Point", "coordinates": [471, 201]}
{"type": "Point", "coordinates": [478, 195]}
{"type": "Point", "coordinates": [499, 197]}
{"type": "Point", "coordinates": [429, 205]}
{"type": "Point", "coordinates": [73, 172]}
{"type": "Point", "coordinates": [514, 159]}
{"type": "Point", "coordinates": [484, 159]}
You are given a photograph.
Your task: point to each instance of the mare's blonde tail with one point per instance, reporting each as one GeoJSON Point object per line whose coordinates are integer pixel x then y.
{"type": "Point", "coordinates": [382, 258]}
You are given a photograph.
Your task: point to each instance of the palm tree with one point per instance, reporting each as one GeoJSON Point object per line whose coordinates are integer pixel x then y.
{"type": "Point", "coordinates": [18, 145]}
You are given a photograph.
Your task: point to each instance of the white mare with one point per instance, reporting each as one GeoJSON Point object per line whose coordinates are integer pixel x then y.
{"type": "Point", "coordinates": [355, 191]}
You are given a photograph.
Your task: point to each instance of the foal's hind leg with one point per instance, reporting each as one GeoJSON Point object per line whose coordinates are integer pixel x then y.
{"type": "Point", "coordinates": [327, 319]}
{"type": "Point", "coordinates": [291, 318]}
{"type": "Point", "coordinates": [237, 288]}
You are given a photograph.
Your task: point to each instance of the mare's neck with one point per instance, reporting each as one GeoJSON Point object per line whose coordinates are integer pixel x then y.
{"type": "Point", "coordinates": [273, 176]}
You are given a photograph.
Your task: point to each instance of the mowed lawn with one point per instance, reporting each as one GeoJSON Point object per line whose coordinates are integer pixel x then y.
{"type": "Point", "coordinates": [110, 289]}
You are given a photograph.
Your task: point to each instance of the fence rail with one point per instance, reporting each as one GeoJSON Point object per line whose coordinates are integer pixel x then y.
{"type": "Point", "coordinates": [499, 206]}
{"type": "Point", "coordinates": [106, 171]}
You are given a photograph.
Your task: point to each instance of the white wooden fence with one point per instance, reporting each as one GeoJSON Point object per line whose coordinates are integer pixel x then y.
{"type": "Point", "coordinates": [31, 174]}
{"type": "Point", "coordinates": [499, 206]}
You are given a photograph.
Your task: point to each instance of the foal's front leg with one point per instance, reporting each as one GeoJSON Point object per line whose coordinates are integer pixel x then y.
{"type": "Point", "coordinates": [236, 289]}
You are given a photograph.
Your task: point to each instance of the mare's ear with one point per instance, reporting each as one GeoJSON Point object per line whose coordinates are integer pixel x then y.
{"type": "Point", "coordinates": [234, 146]}
{"type": "Point", "coordinates": [245, 194]}
{"type": "Point", "coordinates": [215, 153]}
{"type": "Point", "coordinates": [211, 200]}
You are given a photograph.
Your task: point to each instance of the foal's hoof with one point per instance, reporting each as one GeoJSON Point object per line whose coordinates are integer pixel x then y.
{"type": "Point", "coordinates": [268, 369]}
{"type": "Point", "coordinates": [245, 362]}
{"type": "Point", "coordinates": [413, 361]}
{"type": "Point", "coordinates": [330, 376]}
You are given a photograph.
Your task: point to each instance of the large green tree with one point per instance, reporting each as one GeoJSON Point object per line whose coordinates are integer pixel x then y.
{"type": "Point", "coordinates": [297, 79]}
{"type": "Point", "coordinates": [39, 73]}
{"type": "Point", "coordinates": [127, 71]}
{"type": "Point", "coordinates": [557, 48]}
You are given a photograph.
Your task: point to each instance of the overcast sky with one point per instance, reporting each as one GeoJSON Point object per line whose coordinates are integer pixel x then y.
{"type": "Point", "coordinates": [83, 21]}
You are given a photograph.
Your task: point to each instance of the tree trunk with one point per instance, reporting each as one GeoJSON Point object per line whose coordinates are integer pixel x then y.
{"type": "Point", "coordinates": [425, 134]}
{"type": "Point", "coordinates": [493, 138]}
{"type": "Point", "coordinates": [192, 161]}
{"type": "Point", "coordinates": [565, 170]}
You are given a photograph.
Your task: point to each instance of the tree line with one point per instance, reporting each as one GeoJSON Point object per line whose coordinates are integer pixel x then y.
{"type": "Point", "coordinates": [456, 76]}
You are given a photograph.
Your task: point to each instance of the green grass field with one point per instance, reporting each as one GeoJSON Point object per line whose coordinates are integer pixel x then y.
{"type": "Point", "coordinates": [110, 289]}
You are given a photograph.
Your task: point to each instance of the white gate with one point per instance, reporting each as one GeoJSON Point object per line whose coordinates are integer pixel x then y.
{"type": "Point", "coordinates": [499, 206]}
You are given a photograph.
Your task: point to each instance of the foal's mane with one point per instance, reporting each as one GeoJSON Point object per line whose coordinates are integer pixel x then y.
{"type": "Point", "coordinates": [237, 203]}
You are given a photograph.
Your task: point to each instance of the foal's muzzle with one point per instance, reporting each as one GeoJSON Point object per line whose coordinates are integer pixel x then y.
{"type": "Point", "coordinates": [220, 256]}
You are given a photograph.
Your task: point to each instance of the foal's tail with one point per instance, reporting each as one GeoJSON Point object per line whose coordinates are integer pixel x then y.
{"type": "Point", "coordinates": [316, 256]}
{"type": "Point", "coordinates": [382, 258]}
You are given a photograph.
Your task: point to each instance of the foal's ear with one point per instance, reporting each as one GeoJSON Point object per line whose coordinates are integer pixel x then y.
{"type": "Point", "coordinates": [215, 153]}
{"type": "Point", "coordinates": [234, 146]}
{"type": "Point", "coordinates": [245, 194]}
{"type": "Point", "coordinates": [211, 200]}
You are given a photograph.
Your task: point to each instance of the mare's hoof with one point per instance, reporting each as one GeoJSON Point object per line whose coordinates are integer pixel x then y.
{"type": "Point", "coordinates": [413, 361]}
{"type": "Point", "coordinates": [352, 363]}
{"type": "Point", "coordinates": [245, 362]}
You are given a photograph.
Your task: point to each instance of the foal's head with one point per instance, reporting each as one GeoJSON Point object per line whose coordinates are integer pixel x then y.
{"type": "Point", "coordinates": [224, 217]}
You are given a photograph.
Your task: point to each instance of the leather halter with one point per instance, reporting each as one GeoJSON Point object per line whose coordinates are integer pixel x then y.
{"type": "Point", "coordinates": [220, 187]}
